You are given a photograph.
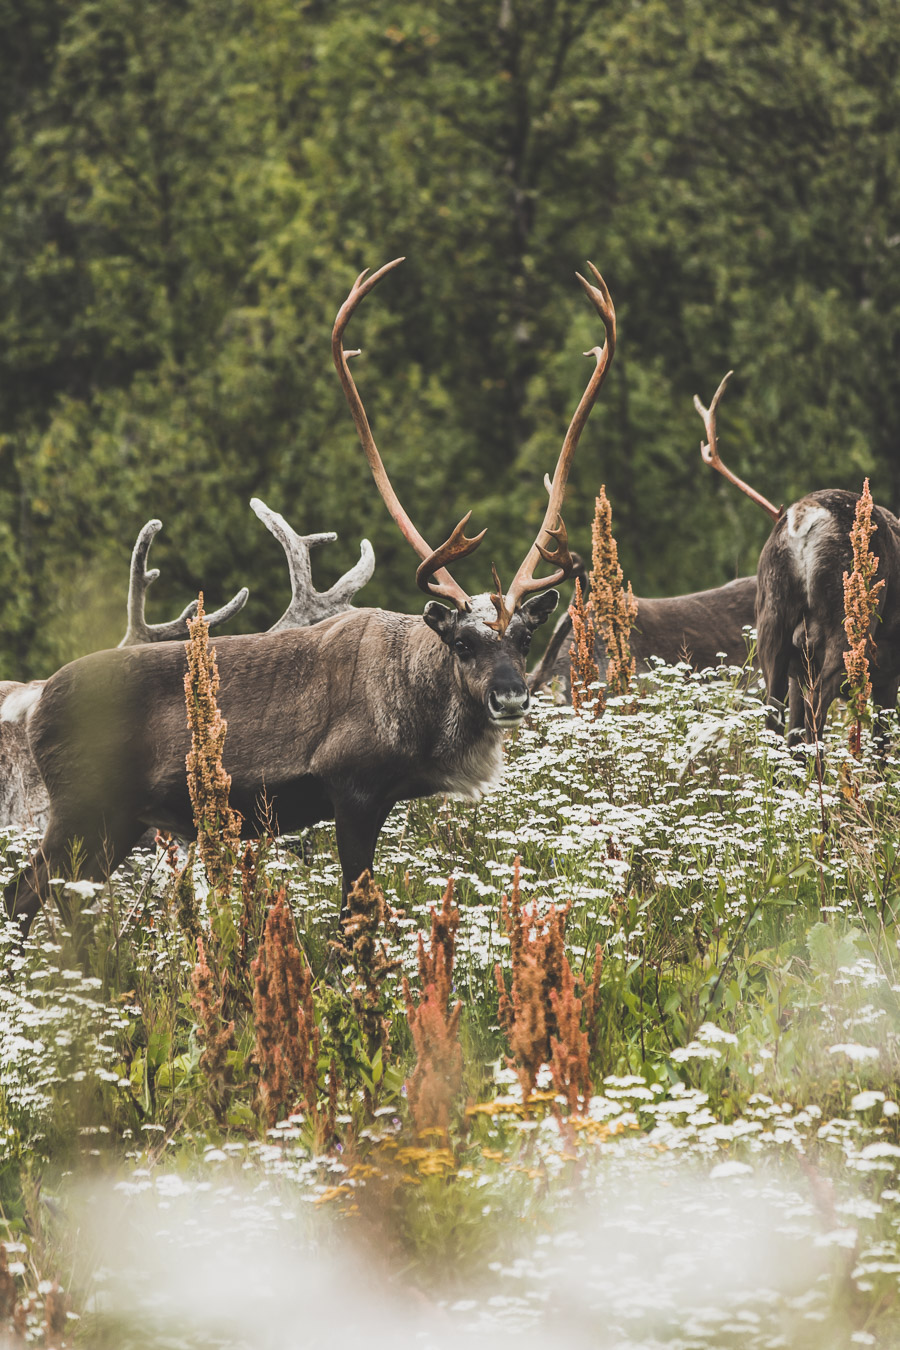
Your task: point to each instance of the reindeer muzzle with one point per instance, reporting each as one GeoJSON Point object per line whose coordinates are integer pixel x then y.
{"type": "Point", "coordinates": [507, 707]}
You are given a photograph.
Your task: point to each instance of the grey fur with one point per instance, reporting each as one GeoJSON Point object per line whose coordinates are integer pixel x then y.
{"type": "Point", "coordinates": [693, 628]}
{"type": "Point", "coordinates": [800, 609]}
{"type": "Point", "coordinates": [337, 721]}
{"type": "Point", "coordinates": [24, 802]}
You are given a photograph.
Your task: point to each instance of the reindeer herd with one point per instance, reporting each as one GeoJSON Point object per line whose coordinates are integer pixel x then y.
{"type": "Point", "coordinates": [340, 713]}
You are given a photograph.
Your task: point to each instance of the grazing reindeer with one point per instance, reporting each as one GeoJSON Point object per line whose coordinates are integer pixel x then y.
{"type": "Point", "coordinates": [800, 598]}
{"type": "Point", "coordinates": [23, 797]}
{"type": "Point", "coordinates": [338, 721]}
{"type": "Point", "coordinates": [702, 628]}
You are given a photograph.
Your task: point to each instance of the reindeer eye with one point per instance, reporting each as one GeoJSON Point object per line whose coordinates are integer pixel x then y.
{"type": "Point", "coordinates": [463, 649]}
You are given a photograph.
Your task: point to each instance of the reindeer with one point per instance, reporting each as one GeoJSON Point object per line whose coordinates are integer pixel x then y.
{"type": "Point", "coordinates": [702, 628]}
{"type": "Point", "coordinates": [800, 598]}
{"type": "Point", "coordinates": [338, 721]}
{"type": "Point", "coordinates": [308, 605]}
{"type": "Point", "coordinates": [23, 798]}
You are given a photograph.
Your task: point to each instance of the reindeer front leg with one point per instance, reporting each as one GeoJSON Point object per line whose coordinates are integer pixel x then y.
{"type": "Point", "coordinates": [358, 824]}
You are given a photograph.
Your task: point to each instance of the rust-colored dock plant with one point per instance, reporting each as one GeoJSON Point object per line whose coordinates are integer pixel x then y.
{"type": "Point", "coordinates": [218, 826]}
{"type": "Point", "coordinates": [436, 1081]}
{"type": "Point", "coordinates": [537, 956]}
{"type": "Point", "coordinates": [214, 1033]}
{"type": "Point", "coordinates": [582, 654]}
{"type": "Point", "coordinates": [363, 949]}
{"type": "Point", "coordinates": [614, 606]}
{"type": "Point", "coordinates": [184, 899]}
{"type": "Point", "coordinates": [287, 1037]}
{"type": "Point", "coordinates": [56, 1317]}
{"type": "Point", "coordinates": [861, 592]}
{"type": "Point", "coordinates": [573, 1043]}
{"type": "Point", "coordinates": [13, 1310]}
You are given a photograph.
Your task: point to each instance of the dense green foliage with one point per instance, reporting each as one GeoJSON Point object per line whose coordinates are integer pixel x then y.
{"type": "Point", "coordinates": [187, 190]}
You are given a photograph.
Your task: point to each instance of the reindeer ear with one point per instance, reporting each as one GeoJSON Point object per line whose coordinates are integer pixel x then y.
{"type": "Point", "coordinates": [442, 619]}
{"type": "Point", "coordinates": [539, 608]}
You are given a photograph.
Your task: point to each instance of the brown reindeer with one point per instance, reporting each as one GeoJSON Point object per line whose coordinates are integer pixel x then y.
{"type": "Point", "coordinates": [800, 598]}
{"type": "Point", "coordinates": [23, 798]}
{"type": "Point", "coordinates": [339, 721]}
{"type": "Point", "coordinates": [703, 628]}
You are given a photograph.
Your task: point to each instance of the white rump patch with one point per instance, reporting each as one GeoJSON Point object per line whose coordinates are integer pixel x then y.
{"type": "Point", "coordinates": [808, 525]}
{"type": "Point", "coordinates": [803, 516]}
{"type": "Point", "coordinates": [18, 705]}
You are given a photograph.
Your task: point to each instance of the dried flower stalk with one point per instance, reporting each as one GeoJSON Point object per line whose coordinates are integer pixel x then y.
{"type": "Point", "coordinates": [213, 1032]}
{"type": "Point", "coordinates": [287, 1037]}
{"type": "Point", "coordinates": [218, 827]}
{"type": "Point", "coordinates": [185, 899]}
{"type": "Point", "coordinates": [436, 1081]}
{"type": "Point", "coordinates": [571, 1046]}
{"type": "Point", "coordinates": [56, 1316]}
{"type": "Point", "coordinates": [582, 655]}
{"type": "Point", "coordinates": [537, 954]}
{"type": "Point", "coordinates": [8, 1291]}
{"type": "Point", "coordinates": [363, 949]}
{"type": "Point", "coordinates": [861, 592]}
{"type": "Point", "coordinates": [614, 608]}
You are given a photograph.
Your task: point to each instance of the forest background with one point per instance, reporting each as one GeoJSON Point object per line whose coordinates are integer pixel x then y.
{"type": "Point", "coordinates": [188, 188]}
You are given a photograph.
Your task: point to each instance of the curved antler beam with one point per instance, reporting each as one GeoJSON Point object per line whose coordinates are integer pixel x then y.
{"type": "Point", "coordinates": [455, 547]}
{"type": "Point", "coordinates": [525, 582]}
{"type": "Point", "coordinates": [443, 583]}
{"type": "Point", "coordinates": [138, 631]}
{"type": "Point", "coordinates": [308, 605]}
{"type": "Point", "coordinates": [710, 452]}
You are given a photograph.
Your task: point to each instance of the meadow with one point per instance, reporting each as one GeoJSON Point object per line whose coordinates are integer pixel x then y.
{"type": "Point", "coordinates": [713, 1160]}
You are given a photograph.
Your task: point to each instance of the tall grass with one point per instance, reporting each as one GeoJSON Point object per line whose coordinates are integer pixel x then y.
{"type": "Point", "coordinates": [740, 1041]}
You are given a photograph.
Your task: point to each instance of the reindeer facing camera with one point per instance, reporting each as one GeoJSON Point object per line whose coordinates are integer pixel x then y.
{"type": "Point", "coordinates": [339, 721]}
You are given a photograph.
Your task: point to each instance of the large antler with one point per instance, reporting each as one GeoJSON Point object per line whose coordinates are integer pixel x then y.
{"type": "Point", "coordinates": [524, 582]}
{"type": "Point", "coordinates": [138, 630]}
{"type": "Point", "coordinates": [308, 605]}
{"type": "Point", "coordinates": [710, 452]}
{"type": "Point", "coordinates": [432, 576]}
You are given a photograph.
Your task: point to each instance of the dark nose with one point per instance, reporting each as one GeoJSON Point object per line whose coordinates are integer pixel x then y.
{"type": "Point", "coordinates": [508, 704]}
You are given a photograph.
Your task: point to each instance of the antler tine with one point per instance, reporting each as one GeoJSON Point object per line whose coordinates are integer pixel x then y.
{"type": "Point", "coordinates": [138, 630]}
{"type": "Point", "coordinates": [710, 452]}
{"type": "Point", "coordinates": [524, 580]}
{"type": "Point", "coordinates": [456, 546]}
{"type": "Point", "coordinates": [443, 582]}
{"type": "Point", "coordinates": [308, 605]}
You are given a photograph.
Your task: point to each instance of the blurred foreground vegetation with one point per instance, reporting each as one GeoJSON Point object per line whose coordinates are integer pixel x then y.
{"type": "Point", "coordinates": [188, 189]}
{"type": "Point", "coordinates": [727, 1173]}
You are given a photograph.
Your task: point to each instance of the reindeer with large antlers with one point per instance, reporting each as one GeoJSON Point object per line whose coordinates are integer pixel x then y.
{"type": "Point", "coordinates": [702, 628]}
{"type": "Point", "coordinates": [800, 598]}
{"type": "Point", "coordinates": [339, 721]}
{"type": "Point", "coordinates": [23, 798]}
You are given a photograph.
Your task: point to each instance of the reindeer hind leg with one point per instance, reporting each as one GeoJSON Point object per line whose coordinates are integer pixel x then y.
{"type": "Point", "coordinates": [97, 851]}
